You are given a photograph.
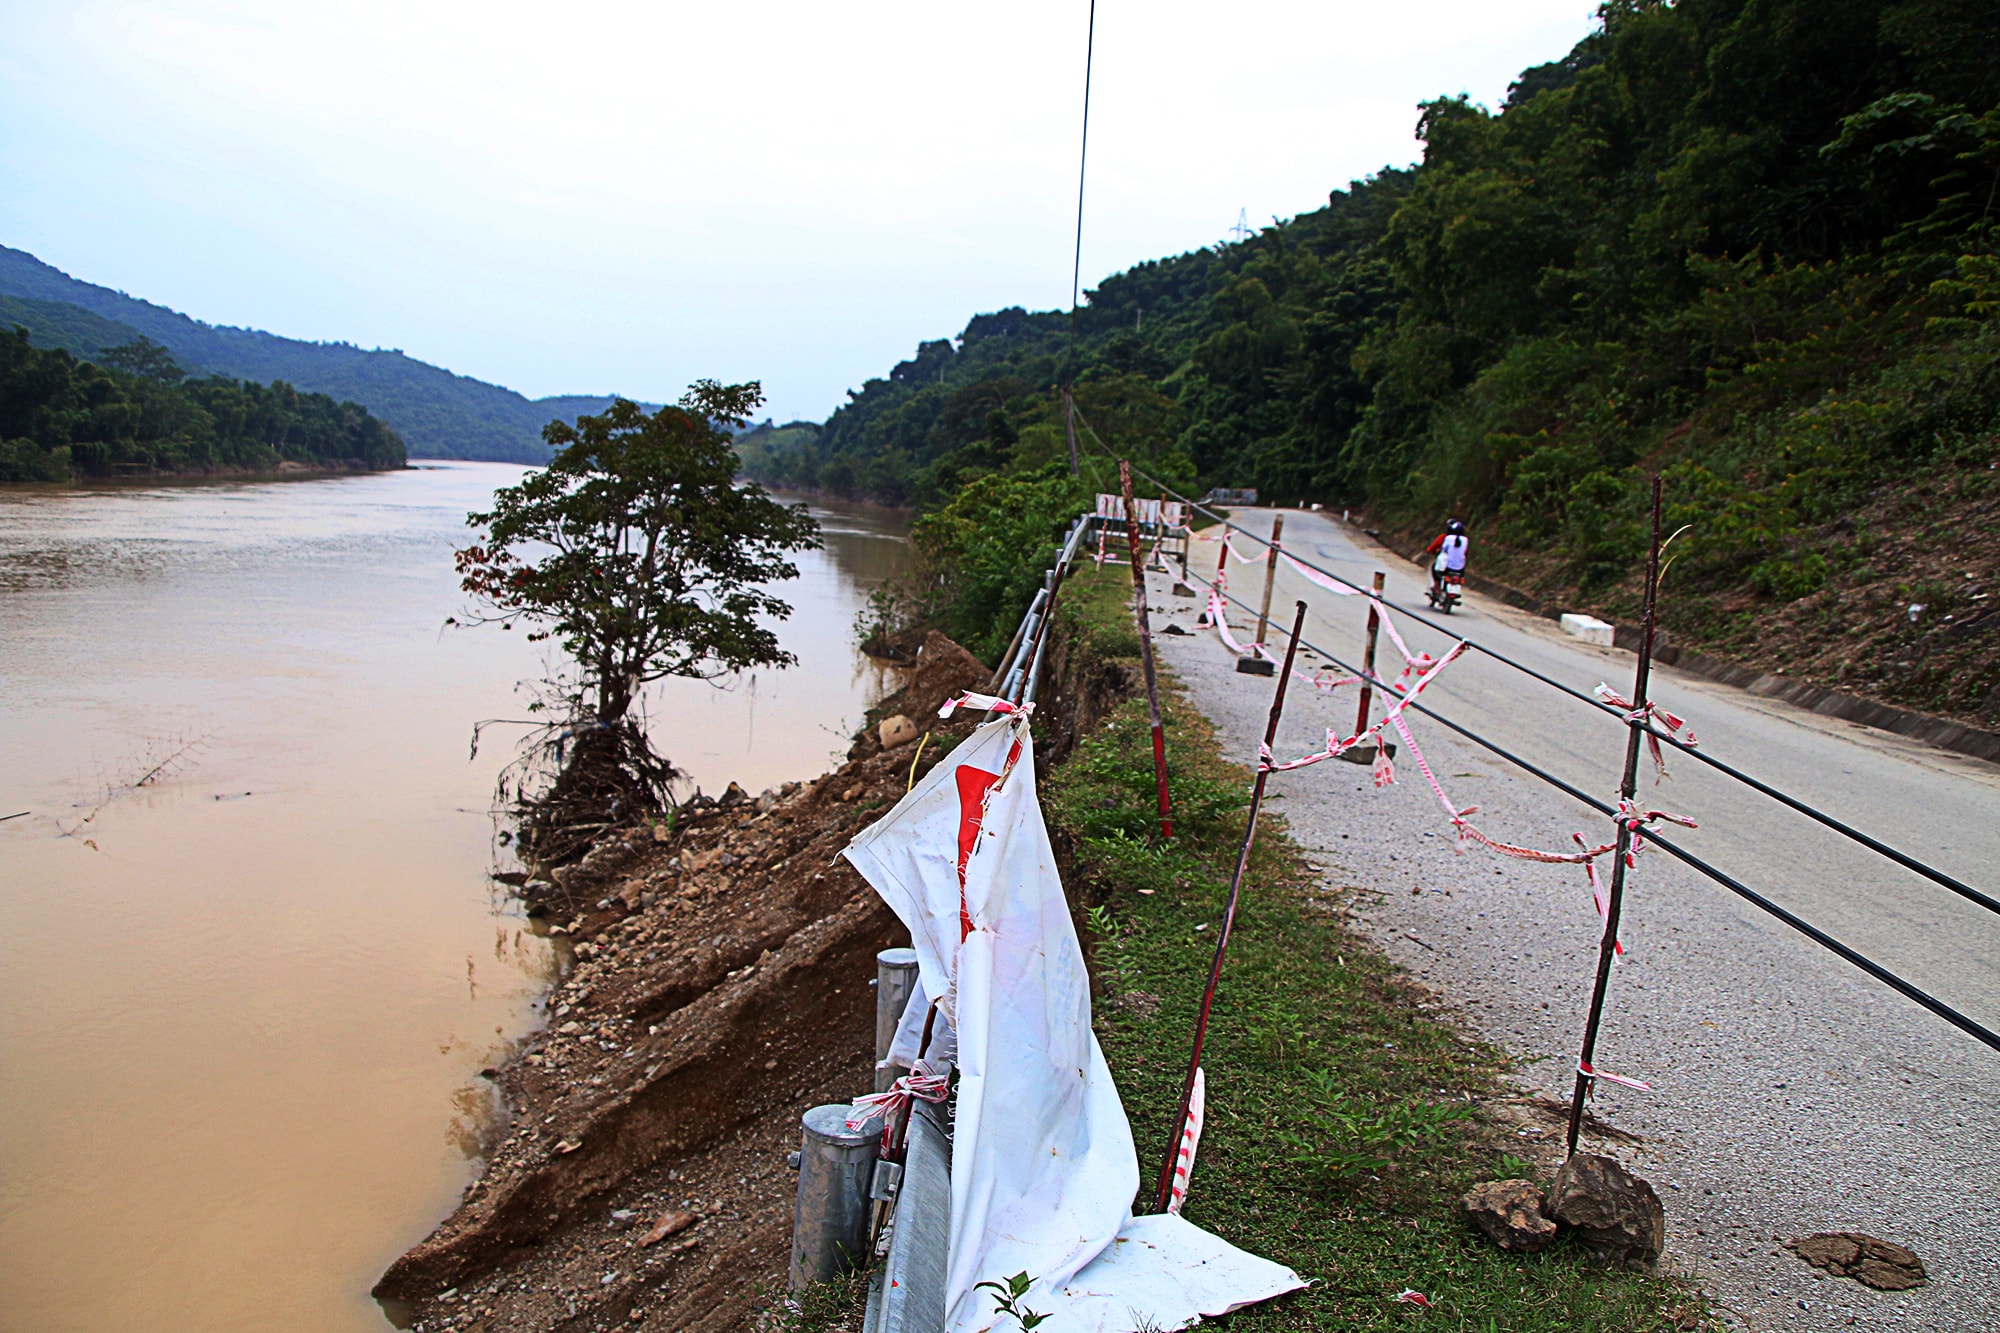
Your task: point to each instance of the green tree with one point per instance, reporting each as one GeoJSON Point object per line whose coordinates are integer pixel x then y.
{"type": "Point", "coordinates": [145, 358]}
{"type": "Point", "coordinates": [638, 552]}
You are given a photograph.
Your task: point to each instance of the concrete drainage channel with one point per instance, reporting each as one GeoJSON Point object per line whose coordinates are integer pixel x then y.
{"type": "Point", "coordinates": [857, 1205]}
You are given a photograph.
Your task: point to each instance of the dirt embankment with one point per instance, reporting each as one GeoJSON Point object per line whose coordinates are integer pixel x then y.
{"type": "Point", "coordinates": [720, 989]}
{"type": "Point", "coordinates": [1907, 614]}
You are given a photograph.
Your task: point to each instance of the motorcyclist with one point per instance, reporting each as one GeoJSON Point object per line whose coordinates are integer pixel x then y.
{"type": "Point", "coordinates": [1449, 549]}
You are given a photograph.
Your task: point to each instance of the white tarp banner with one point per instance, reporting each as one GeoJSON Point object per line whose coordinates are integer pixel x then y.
{"type": "Point", "coordinates": [1043, 1166]}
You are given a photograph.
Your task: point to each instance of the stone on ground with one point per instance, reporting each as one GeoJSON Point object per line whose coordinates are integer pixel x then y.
{"type": "Point", "coordinates": [1613, 1211]}
{"type": "Point", "coordinates": [1881, 1264]}
{"type": "Point", "coordinates": [1510, 1213]}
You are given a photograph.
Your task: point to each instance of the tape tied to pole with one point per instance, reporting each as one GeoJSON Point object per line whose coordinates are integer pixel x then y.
{"type": "Point", "coordinates": [1190, 1140]}
{"type": "Point", "coordinates": [1643, 715]}
{"type": "Point", "coordinates": [1584, 1068]}
{"type": "Point", "coordinates": [921, 1084]}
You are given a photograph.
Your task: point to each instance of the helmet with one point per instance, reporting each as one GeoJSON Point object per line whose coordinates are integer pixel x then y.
{"type": "Point", "coordinates": [1455, 528]}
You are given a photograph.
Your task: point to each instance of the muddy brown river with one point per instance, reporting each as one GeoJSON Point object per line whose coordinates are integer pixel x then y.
{"type": "Point", "coordinates": [252, 964]}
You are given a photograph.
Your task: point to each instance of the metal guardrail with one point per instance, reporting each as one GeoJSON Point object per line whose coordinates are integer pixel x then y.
{"type": "Point", "coordinates": [1019, 675]}
{"type": "Point", "coordinates": [906, 1295]}
{"type": "Point", "coordinates": [906, 1291]}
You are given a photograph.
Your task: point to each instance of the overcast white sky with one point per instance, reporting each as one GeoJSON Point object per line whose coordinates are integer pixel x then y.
{"type": "Point", "coordinates": [598, 197]}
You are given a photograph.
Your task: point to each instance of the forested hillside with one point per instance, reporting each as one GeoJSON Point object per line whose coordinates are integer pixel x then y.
{"type": "Point", "coordinates": [139, 415]}
{"type": "Point", "coordinates": [439, 414]}
{"type": "Point", "coordinates": [1744, 246]}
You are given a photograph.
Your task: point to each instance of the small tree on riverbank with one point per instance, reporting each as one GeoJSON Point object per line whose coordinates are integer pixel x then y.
{"type": "Point", "coordinates": [637, 552]}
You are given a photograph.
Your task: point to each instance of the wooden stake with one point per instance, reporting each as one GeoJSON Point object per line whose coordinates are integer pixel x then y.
{"type": "Point", "coordinates": [1627, 788]}
{"type": "Point", "coordinates": [1368, 657]}
{"type": "Point", "coordinates": [1166, 1183]}
{"type": "Point", "coordinates": [1270, 572]}
{"type": "Point", "coordinates": [1146, 649]}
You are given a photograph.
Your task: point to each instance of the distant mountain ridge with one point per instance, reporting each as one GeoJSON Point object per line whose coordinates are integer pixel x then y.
{"type": "Point", "coordinates": [438, 414]}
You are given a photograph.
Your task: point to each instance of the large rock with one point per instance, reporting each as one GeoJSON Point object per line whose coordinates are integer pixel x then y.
{"type": "Point", "coordinates": [1881, 1264]}
{"type": "Point", "coordinates": [1510, 1213]}
{"type": "Point", "coordinates": [1613, 1211]}
{"type": "Point", "coordinates": [896, 730]}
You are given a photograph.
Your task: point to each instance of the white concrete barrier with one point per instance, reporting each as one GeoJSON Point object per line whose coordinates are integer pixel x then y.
{"type": "Point", "coordinates": [1588, 628]}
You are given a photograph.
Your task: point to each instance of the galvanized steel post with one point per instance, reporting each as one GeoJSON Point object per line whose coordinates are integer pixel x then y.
{"type": "Point", "coordinates": [830, 1217]}
{"type": "Point", "coordinates": [895, 979]}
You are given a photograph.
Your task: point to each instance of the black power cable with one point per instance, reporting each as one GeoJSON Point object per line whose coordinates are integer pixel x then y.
{"type": "Point", "coordinates": [1969, 1026]}
{"type": "Point", "coordinates": [1903, 859]}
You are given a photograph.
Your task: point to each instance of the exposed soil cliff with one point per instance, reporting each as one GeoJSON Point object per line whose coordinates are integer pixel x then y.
{"type": "Point", "coordinates": [720, 988]}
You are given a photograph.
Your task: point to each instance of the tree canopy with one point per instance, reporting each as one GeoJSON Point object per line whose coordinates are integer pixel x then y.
{"type": "Point", "coordinates": [139, 415]}
{"type": "Point", "coordinates": [637, 550]}
{"type": "Point", "coordinates": [1720, 239]}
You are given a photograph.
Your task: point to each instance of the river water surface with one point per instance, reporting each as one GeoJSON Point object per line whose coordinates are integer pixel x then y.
{"type": "Point", "coordinates": [251, 963]}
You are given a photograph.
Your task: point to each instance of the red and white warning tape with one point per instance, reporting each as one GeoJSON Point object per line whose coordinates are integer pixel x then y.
{"type": "Point", "coordinates": [1392, 716]}
{"type": "Point", "coordinates": [1419, 669]}
{"type": "Point", "coordinates": [991, 703]}
{"type": "Point", "coordinates": [1676, 728]}
{"type": "Point", "coordinates": [921, 1084]}
{"type": "Point", "coordinates": [1190, 1139]}
{"type": "Point", "coordinates": [1584, 1068]}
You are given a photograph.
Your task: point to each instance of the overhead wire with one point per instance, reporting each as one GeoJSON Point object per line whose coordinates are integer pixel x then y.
{"type": "Point", "coordinates": [1067, 377]}
{"type": "Point", "coordinates": [1082, 162]}
{"type": "Point", "coordinates": [1903, 859]}
{"type": "Point", "coordinates": [1970, 1026]}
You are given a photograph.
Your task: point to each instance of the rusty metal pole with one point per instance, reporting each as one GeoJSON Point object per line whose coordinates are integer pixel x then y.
{"type": "Point", "coordinates": [1166, 1183]}
{"type": "Point", "coordinates": [1627, 788]}
{"type": "Point", "coordinates": [1146, 649]}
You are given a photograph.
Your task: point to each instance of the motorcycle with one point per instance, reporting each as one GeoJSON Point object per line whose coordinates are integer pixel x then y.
{"type": "Point", "coordinates": [1447, 589]}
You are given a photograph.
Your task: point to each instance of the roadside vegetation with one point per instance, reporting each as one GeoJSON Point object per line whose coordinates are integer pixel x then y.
{"type": "Point", "coordinates": [1748, 248]}
{"type": "Point", "coordinates": [1346, 1115]}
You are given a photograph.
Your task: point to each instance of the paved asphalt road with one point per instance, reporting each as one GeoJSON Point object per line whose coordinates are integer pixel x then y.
{"type": "Point", "coordinates": [1792, 1093]}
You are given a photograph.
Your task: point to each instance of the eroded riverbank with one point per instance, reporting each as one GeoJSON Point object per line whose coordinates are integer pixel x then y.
{"type": "Point", "coordinates": [250, 993]}
{"type": "Point", "coordinates": [720, 988]}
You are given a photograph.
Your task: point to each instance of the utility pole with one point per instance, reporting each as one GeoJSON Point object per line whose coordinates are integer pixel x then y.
{"type": "Point", "coordinates": [1069, 428]}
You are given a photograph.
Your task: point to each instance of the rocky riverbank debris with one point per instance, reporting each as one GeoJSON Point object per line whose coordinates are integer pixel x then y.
{"type": "Point", "coordinates": [667, 1224]}
{"type": "Point", "coordinates": [1881, 1264]}
{"type": "Point", "coordinates": [896, 730]}
{"type": "Point", "coordinates": [681, 1088]}
{"type": "Point", "coordinates": [1614, 1212]}
{"type": "Point", "coordinates": [1510, 1212]}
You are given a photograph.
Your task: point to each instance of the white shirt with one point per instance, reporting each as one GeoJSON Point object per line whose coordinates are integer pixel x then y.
{"type": "Point", "coordinates": [1451, 556]}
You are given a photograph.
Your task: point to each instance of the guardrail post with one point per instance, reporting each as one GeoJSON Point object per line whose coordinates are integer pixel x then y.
{"type": "Point", "coordinates": [895, 979]}
{"type": "Point", "coordinates": [830, 1216]}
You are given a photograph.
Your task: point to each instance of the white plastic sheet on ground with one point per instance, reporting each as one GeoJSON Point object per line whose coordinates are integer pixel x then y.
{"type": "Point", "coordinates": [1043, 1166]}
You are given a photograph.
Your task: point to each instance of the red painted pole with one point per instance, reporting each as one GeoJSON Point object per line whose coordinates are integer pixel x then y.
{"type": "Point", "coordinates": [1166, 1185]}
{"type": "Point", "coordinates": [1146, 649]}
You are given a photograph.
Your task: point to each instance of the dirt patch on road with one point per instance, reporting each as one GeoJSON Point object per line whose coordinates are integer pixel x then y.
{"type": "Point", "coordinates": [720, 988]}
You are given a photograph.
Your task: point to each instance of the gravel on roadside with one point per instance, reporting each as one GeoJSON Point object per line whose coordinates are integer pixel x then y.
{"type": "Point", "coordinates": [1792, 1095]}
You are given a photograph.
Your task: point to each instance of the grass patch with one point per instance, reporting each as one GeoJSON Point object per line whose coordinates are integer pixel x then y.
{"type": "Point", "coordinates": [1342, 1121]}
{"type": "Point", "coordinates": [838, 1306]}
